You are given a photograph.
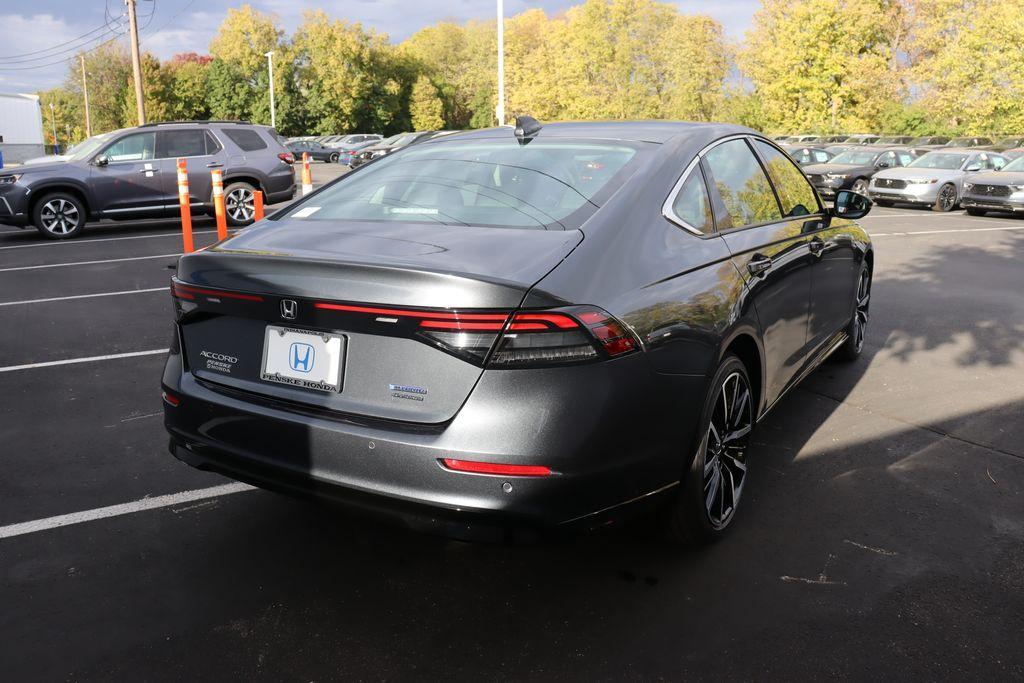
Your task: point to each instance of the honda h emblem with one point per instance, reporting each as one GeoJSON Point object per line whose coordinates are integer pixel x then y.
{"type": "Point", "coordinates": [289, 309]}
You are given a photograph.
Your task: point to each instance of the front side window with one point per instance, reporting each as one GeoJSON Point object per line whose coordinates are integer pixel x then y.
{"type": "Point", "coordinates": [691, 204]}
{"type": "Point", "coordinates": [821, 157]}
{"type": "Point", "coordinates": [486, 182]}
{"type": "Point", "coordinates": [906, 158]}
{"type": "Point", "coordinates": [742, 185]}
{"type": "Point", "coordinates": [795, 192]}
{"type": "Point", "coordinates": [138, 147]}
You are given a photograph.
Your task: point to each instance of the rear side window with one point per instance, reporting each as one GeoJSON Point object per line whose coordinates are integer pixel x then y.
{"type": "Point", "coordinates": [742, 185]}
{"type": "Point", "coordinates": [138, 147]}
{"type": "Point", "coordinates": [247, 140]}
{"type": "Point", "coordinates": [183, 143]}
{"type": "Point", "coordinates": [691, 204]}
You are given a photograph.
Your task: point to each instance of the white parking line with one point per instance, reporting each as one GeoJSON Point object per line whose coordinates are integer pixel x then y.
{"type": "Point", "coordinates": [87, 263]}
{"type": "Point", "coordinates": [90, 359]}
{"type": "Point", "coordinates": [943, 232]}
{"type": "Point", "coordinates": [84, 296]}
{"type": "Point", "coordinates": [122, 509]}
{"type": "Point", "coordinates": [104, 239]}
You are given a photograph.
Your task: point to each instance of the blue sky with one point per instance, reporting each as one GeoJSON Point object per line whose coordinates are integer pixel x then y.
{"type": "Point", "coordinates": [171, 26]}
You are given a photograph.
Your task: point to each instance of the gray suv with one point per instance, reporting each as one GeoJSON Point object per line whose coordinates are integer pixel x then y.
{"type": "Point", "coordinates": [131, 174]}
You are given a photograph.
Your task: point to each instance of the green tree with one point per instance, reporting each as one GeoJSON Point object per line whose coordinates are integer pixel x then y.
{"type": "Point", "coordinates": [425, 106]}
{"type": "Point", "coordinates": [68, 115]}
{"type": "Point", "coordinates": [187, 75]}
{"type": "Point", "coordinates": [108, 70]}
{"type": "Point", "coordinates": [823, 64]}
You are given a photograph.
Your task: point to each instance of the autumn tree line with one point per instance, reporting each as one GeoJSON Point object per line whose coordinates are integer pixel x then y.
{"type": "Point", "coordinates": [895, 66]}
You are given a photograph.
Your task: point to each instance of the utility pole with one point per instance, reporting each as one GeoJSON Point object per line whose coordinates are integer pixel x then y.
{"type": "Point", "coordinates": [499, 111]}
{"type": "Point", "coordinates": [85, 92]}
{"type": "Point", "coordinates": [270, 65]}
{"type": "Point", "coordinates": [133, 34]}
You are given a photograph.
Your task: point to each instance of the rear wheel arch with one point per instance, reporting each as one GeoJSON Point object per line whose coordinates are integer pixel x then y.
{"type": "Point", "coordinates": [744, 346]}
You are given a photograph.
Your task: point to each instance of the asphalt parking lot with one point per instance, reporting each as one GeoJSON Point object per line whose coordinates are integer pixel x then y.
{"type": "Point", "coordinates": [882, 535]}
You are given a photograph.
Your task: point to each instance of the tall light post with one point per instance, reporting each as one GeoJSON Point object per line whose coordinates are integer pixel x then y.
{"type": "Point", "coordinates": [270, 66]}
{"type": "Point", "coordinates": [53, 124]}
{"type": "Point", "coordinates": [499, 111]}
{"type": "Point", "coordinates": [85, 93]}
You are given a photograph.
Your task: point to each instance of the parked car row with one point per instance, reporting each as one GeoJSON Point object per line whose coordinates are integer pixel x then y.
{"type": "Point", "coordinates": [835, 142]}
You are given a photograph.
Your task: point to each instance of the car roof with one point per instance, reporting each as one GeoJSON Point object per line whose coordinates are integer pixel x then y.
{"type": "Point", "coordinates": [636, 131]}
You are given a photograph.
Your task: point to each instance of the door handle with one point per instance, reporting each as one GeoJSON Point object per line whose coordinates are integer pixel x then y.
{"type": "Point", "coordinates": [817, 246]}
{"type": "Point", "coordinates": [759, 265]}
{"type": "Point", "coordinates": [149, 170]}
{"type": "Point", "coordinates": [214, 164]}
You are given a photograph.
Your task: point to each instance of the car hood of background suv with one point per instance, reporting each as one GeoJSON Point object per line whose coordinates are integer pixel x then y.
{"type": "Point", "coordinates": [909, 173]}
{"type": "Point", "coordinates": [998, 178]}
{"type": "Point", "coordinates": [845, 169]}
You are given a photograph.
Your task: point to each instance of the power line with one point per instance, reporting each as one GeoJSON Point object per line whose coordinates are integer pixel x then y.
{"type": "Point", "coordinates": [63, 59]}
{"type": "Point", "coordinates": [171, 20]}
{"type": "Point", "coordinates": [69, 46]}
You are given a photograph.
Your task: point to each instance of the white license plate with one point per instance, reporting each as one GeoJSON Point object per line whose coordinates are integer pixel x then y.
{"type": "Point", "coordinates": [303, 358]}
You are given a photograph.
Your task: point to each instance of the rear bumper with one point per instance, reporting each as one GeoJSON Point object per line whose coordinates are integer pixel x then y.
{"type": "Point", "coordinates": [611, 453]}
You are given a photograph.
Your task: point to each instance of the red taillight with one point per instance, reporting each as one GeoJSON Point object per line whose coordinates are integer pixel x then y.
{"type": "Point", "coordinates": [188, 292]}
{"type": "Point", "coordinates": [496, 468]}
{"type": "Point", "coordinates": [171, 399]}
{"type": "Point", "coordinates": [286, 157]}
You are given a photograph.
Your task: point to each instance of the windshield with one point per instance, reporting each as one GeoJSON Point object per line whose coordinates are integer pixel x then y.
{"type": "Point", "coordinates": [939, 160]}
{"type": "Point", "coordinates": [490, 182]}
{"type": "Point", "coordinates": [86, 148]}
{"type": "Point", "coordinates": [855, 158]}
{"type": "Point", "coordinates": [1015, 165]}
{"type": "Point", "coordinates": [390, 141]}
{"type": "Point", "coordinates": [1010, 142]}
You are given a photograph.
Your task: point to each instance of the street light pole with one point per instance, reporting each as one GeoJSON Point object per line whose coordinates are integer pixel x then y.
{"type": "Point", "coordinates": [270, 66]}
{"type": "Point", "coordinates": [133, 34]}
{"type": "Point", "coordinates": [53, 123]}
{"type": "Point", "coordinates": [85, 92]}
{"type": "Point", "coordinates": [499, 111]}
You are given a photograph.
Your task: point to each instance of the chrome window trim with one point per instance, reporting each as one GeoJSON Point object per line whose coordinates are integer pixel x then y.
{"type": "Point", "coordinates": [668, 212]}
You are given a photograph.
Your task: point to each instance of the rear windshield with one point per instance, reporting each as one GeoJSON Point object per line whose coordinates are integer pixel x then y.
{"type": "Point", "coordinates": [855, 158]}
{"type": "Point", "coordinates": [940, 160]}
{"type": "Point", "coordinates": [546, 184]}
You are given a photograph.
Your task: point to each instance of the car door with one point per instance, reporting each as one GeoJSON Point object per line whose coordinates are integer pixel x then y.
{"type": "Point", "coordinates": [834, 258]}
{"type": "Point", "coordinates": [771, 252]}
{"type": "Point", "coordinates": [127, 177]}
{"type": "Point", "coordinates": [201, 152]}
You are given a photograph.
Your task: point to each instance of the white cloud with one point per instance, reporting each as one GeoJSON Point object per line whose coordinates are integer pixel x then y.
{"type": "Point", "coordinates": [21, 34]}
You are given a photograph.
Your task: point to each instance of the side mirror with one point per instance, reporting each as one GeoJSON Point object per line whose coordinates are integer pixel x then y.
{"type": "Point", "coordinates": [973, 168]}
{"type": "Point", "coordinates": [883, 164]}
{"type": "Point", "coordinates": [101, 160]}
{"type": "Point", "coordinates": [851, 205]}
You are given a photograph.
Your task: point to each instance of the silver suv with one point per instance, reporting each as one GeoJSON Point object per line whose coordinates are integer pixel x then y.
{"type": "Point", "coordinates": [131, 173]}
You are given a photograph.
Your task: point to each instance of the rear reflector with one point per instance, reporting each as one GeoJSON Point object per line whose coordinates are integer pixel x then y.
{"type": "Point", "coordinates": [496, 468]}
{"type": "Point", "coordinates": [171, 399]}
{"type": "Point", "coordinates": [187, 292]}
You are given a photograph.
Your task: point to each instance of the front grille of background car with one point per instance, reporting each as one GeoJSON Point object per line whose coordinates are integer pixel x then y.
{"type": "Point", "coordinates": [893, 183]}
{"type": "Point", "coordinates": [991, 190]}
{"type": "Point", "coordinates": [816, 179]}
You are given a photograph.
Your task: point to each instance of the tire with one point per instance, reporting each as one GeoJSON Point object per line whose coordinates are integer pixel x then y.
{"type": "Point", "coordinates": [971, 211]}
{"type": "Point", "coordinates": [857, 328]}
{"type": "Point", "coordinates": [334, 158]}
{"type": "Point", "coordinates": [946, 200]}
{"type": "Point", "coordinates": [239, 204]}
{"type": "Point", "coordinates": [860, 186]}
{"type": "Point", "coordinates": [694, 517]}
{"type": "Point", "coordinates": [59, 216]}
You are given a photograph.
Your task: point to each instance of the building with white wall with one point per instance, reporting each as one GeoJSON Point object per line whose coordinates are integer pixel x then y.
{"type": "Point", "coordinates": [21, 127]}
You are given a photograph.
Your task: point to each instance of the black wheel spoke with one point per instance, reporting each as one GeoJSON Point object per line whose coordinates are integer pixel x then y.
{"type": "Point", "coordinates": [725, 449]}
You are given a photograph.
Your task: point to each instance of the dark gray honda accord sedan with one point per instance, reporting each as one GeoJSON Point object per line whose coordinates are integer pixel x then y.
{"type": "Point", "coordinates": [520, 330]}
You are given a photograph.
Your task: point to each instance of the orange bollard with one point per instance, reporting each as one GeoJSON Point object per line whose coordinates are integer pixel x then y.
{"type": "Point", "coordinates": [307, 177]}
{"type": "Point", "coordinates": [257, 205]}
{"type": "Point", "coordinates": [186, 207]}
{"type": "Point", "coordinates": [218, 203]}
